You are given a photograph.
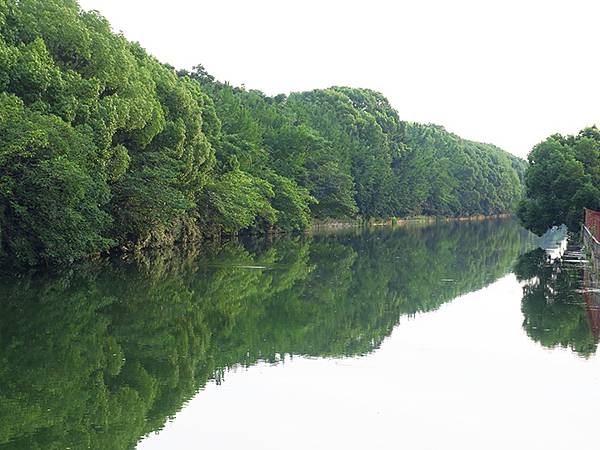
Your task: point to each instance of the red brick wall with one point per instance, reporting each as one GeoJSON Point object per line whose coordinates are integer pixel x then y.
{"type": "Point", "coordinates": [592, 222]}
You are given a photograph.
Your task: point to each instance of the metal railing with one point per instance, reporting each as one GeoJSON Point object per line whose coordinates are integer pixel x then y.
{"type": "Point", "coordinates": [592, 245]}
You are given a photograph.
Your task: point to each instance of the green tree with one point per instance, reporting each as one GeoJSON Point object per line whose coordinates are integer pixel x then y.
{"type": "Point", "coordinates": [51, 196]}
{"type": "Point", "coordinates": [562, 179]}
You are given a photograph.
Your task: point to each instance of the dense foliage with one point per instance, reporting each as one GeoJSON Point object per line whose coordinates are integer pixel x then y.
{"type": "Point", "coordinates": [563, 178]}
{"type": "Point", "coordinates": [461, 177]}
{"type": "Point", "coordinates": [102, 146]}
{"type": "Point", "coordinates": [100, 356]}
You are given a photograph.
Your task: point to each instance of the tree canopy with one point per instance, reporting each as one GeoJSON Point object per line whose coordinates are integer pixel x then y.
{"type": "Point", "coordinates": [562, 179]}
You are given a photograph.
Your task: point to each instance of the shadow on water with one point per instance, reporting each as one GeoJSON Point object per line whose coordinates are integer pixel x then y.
{"type": "Point", "coordinates": [106, 353]}
{"type": "Point", "coordinates": [561, 303]}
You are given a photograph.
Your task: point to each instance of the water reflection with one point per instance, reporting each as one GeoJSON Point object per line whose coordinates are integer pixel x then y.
{"type": "Point", "coordinates": [560, 303]}
{"type": "Point", "coordinates": [104, 354]}
{"type": "Point", "coordinates": [591, 295]}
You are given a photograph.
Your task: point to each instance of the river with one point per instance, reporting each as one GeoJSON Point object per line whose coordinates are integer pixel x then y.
{"type": "Point", "coordinates": [449, 335]}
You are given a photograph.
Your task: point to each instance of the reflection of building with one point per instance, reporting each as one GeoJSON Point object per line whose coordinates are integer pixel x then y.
{"type": "Point", "coordinates": [591, 239]}
{"type": "Point", "coordinates": [591, 294]}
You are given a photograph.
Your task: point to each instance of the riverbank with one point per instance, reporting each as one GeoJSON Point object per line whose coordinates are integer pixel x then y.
{"type": "Point", "coordinates": [395, 221]}
{"type": "Point", "coordinates": [195, 240]}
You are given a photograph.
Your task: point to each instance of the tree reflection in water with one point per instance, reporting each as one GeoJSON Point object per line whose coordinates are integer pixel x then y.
{"type": "Point", "coordinates": [559, 304]}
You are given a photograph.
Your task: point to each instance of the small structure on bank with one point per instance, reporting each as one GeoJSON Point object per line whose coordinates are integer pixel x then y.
{"type": "Point", "coordinates": [554, 242]}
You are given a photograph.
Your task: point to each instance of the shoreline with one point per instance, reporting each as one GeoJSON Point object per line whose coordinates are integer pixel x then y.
{"type": "Point", "coordinates": [335, 224]}
{"type": "Point", "coordinates": [135, 250]}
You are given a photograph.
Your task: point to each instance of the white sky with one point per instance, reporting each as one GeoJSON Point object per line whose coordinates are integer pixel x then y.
{"type": "Point", "coordinates": [506, 72]}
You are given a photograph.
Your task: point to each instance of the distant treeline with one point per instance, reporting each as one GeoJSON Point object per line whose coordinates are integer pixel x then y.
{"type": "Point", "coordinates": [102, 146]}
{"type": "Point", "coordinates": [562, 179]}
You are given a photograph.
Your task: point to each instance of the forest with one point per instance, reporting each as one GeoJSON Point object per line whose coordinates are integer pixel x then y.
{"type": "Point", "coordinates": [100, 356]}
{"type": "Point", "coordinates": [103, 147]}
{"type": "Point", "coordinates": [563, 178]}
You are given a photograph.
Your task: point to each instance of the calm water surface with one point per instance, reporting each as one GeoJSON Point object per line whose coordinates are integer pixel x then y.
{"type": "Point", "coordinates": [454, 336]}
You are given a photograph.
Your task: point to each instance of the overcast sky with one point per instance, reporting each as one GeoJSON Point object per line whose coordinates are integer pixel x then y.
{"type": "Point", "coordinates": [509, 72]}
